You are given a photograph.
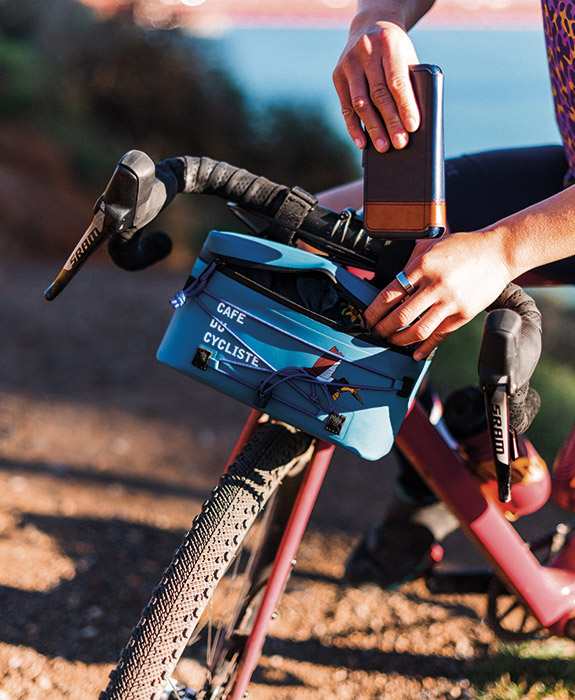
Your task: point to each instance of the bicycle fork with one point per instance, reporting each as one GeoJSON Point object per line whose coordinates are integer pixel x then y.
{"type": "Point", "coordinates": [285, 558]}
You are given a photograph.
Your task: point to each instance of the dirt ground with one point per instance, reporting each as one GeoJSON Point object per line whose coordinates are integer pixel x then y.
{"type": "Point", "coordinates": [105, 457]}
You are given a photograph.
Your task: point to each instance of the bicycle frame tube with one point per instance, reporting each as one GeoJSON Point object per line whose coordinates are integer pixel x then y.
{"type": "Point", "coordinates": [548, 591]}
{"type": "Point", "coordinates": [283, 563]}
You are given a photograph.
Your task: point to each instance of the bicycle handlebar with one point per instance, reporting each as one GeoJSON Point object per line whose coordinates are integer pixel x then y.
{"type": "Point", "coordinates": [139, 190]}
{"type": "Point", "coordinates": [292, 213]}
{"type": "Point", "coordinates": [133, 197]}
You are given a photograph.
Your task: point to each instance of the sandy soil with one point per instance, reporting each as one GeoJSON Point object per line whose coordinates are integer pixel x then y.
{"type": "Point", "coordinates": [105, 457]}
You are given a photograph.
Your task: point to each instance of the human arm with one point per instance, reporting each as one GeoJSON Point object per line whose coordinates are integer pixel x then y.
{"type": "Point", "coordinates": [372, 77]}
{"type": "Point", "coordinates": [350, 194]}
{"type": "Point", "coordinates": [462, 273]}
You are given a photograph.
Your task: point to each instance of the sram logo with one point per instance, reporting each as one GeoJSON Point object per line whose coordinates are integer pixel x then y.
{"type": "Point", "coordinates": [85, 244]}
{"type": "Point", "coordinates": [498, 428]}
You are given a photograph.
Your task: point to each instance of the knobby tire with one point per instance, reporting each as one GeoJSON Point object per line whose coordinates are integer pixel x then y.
{"type": "Point", "coordinates": [170, 618]}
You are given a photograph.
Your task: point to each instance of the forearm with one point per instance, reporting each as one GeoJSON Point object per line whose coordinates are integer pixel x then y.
{"type": "Point", "coordinates": [405, 13]}
{"type": "Point", "coordinates": [540, 234]}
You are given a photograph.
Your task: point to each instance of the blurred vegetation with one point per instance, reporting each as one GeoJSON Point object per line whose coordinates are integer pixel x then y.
{"type": "Point", "coordinates": [100, 88]}
{"type": "Point", "coordinates": [537, 670]}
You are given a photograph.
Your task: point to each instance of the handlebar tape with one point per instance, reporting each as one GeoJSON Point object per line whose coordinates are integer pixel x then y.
{"type": "Point", "coordinates": [198, 175]}
{"type": "Point", "coordinates": [515, 298]}
{"type": "Point", "coordinates": [206, 176]}
{"type": "Point", "coordinates": [289, 210]}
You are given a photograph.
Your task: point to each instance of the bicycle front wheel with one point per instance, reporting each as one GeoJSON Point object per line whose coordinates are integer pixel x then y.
{"type": "Point", "coordinates": [183, 603]}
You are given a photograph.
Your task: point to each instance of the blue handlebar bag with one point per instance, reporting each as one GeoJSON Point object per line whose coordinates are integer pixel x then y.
{"type": "Point", "coordinates": [281, 330]}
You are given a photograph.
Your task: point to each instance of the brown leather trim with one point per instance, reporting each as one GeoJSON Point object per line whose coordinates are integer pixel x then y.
{"type": "Point", "coordinates": [403, 216]}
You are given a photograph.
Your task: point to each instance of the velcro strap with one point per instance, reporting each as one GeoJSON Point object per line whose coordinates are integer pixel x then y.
{"type": "Point", "coordinates": [292, 212]}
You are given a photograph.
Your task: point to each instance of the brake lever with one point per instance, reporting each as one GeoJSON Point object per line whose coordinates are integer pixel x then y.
{"type": "Point", "coordinates": [498, 361]}
{"type": "Point", "coordinates": [503, 438]}
{"type": "Point", "coordinates": [95, 235]}
{"type": "Point", "coordinates": [132, 198]}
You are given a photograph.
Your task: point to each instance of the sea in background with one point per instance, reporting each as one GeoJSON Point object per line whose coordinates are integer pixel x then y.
{"type": "Point", "coordinates": [496, 83]}
{"type": "Point", "coordinates": [497, 91]}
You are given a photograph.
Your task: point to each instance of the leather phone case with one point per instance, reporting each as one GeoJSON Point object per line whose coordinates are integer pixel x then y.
{"type": "Point", "coordinates": [404, 189]}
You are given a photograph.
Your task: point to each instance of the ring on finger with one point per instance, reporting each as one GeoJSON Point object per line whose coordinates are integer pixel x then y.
{"type": "Point", "coordinates": [405, 284]}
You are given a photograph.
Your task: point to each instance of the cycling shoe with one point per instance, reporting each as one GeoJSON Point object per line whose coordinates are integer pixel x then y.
{"type": "Point", "coordinates": [403, 546]}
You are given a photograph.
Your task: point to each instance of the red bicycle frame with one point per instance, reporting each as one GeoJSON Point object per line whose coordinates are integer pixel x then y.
{"type": "Point", "coordinates": [548, 591]}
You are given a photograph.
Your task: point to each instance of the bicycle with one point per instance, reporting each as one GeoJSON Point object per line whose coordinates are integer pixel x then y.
{"type": "Point", "coordinates": [275, 472]}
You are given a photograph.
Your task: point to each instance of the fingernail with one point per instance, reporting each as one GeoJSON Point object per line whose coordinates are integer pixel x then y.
{"type": "Point", "coordinates": [418, 355]}
{"type": "Point", "coordinates": [411, 124]}
{"type": "Point", "coordinates": [359, 143]}
{"type": "Point", "coordinates": [381, 145]}
{"type": "Point", "coordinates": [400, 140]}
{"type": "Point", "coordinates": [365, 324]}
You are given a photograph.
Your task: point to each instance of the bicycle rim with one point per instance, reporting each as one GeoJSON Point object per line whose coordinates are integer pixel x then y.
{"type": "Point", "coordinates": [184, 600]}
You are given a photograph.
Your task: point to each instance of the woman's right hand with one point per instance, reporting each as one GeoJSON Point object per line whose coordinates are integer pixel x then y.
{"type": "Point", "coordinates": [373, 84]}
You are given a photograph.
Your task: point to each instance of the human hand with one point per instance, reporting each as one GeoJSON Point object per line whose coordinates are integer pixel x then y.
{"type": "Point", "coordinates": [373, 84]}
{"type": "Point", "coordinates": [454, 278]}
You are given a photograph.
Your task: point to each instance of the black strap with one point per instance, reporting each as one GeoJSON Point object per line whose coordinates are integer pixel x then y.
{"type": "Point", "coordinates": [292, 212]}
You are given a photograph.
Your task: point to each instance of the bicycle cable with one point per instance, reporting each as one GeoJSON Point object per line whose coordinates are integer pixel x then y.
{"type": "Point", "coordinates": [140, 189]}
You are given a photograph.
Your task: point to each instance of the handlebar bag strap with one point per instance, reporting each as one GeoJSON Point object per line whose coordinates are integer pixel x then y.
{"type": "Point", "coordinates": [291, 213]}
{"type": "Point", "coordinates": [280, 329]}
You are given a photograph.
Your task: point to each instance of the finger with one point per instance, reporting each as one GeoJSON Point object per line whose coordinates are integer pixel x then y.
{"type": "Point", "coordinates": [429, 331]}
{"type": "Point", "coordinates": [419, 330]}
{"type": "Point", "coordinates": [352, 121]}
{"type": "Point", "coordinates": [399, 84]}
{"type": "Point", "coordinates": [389, 297]}
{"type": "Point", "coordinates": [396, 61]}
{"type": "Point", "coordinates": [386, 300]}
{"type": "Point", "coordinates": [363, 107]}
{"type": "Point", "coordinates": [428, 346]}
{"type": "Point", "coordinates": [402, 316]}
{"type": "Point", "coordinates": [353, 91]}
{"type": "Point", "coordinates": [384, 102]}
{"type": "Point", "coordinates": [434, 341]}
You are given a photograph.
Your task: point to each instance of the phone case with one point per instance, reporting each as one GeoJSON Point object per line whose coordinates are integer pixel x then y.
{"type": "Point", "coordinates": [404, 189]}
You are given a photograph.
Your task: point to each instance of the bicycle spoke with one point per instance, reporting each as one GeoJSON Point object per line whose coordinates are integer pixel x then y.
{"type": "Point", "coordinates": [514, 605]}
{"type": "Point", "coordinates": [237, 592]}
